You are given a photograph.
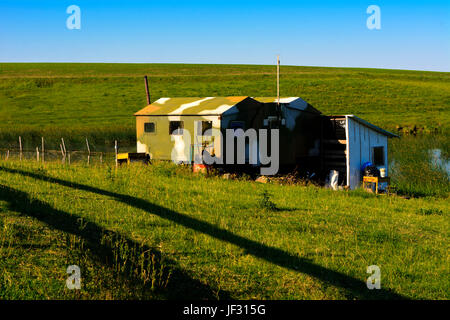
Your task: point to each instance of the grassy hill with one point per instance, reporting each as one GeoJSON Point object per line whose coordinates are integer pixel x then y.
{"type": "Point", "coordinates": [177, 235]}
{"type": "Point", "coordinates": [98, 100]}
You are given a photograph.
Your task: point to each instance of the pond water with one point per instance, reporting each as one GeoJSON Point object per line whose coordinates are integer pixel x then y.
{"type": "Point", "coordinates": [437, 160]}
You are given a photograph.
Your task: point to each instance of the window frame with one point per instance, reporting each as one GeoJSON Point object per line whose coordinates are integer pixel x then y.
{"type": "Point", "coordinates": [375, 157]}
{"type": "Point", "coordinates": [178, 129]}
{"type": "Point", "coordinates": [210, 127]}
{"type": "Point", "coordinates": [154, 127]}
{"type": "Point", "coordinates": [201, 128]}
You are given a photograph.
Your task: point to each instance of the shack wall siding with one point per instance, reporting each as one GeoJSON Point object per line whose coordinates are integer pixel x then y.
{"type": "Point", "coordinates": [361, 141]}
{"type": "Point", "coordinates": [163, 146]}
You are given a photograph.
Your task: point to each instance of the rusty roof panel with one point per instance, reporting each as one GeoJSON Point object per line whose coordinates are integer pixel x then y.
{"type": "Point", "coordinates": [191, 105]}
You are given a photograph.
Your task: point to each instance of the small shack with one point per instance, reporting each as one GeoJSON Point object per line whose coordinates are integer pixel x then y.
{"type": "Point", "coordinates": [179, 128]}
{"type": "Point", "coordinates": [163, 127]}
{"type": "Point", "coordinates": [347, 143]}
{"type": "Point", "coordinates": [174, 128]}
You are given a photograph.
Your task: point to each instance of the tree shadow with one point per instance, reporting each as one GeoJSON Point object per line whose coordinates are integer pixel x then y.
{"type": "Point", "coordinates": [113, 249]}
{"type": "Point", "coordinates": [354, 288]}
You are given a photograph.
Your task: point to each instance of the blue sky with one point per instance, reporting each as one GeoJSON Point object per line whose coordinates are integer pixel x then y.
{"type": "Point", "coordinates": [413, 35]}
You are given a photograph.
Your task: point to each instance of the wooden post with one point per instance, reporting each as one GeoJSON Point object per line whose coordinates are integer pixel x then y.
{"type": "Point", "coordinates": [68, 155]}
{"type": "Point", "coordinates": [43, 150]}
{"type": "Point", "coordinates": [146, 90]}
{"type": "Point", "coordinates": [37, 154]}
{"type": "Point", "coordinates": [115, 150]}
{"type": "Point", "coordinates": [7, 155]}
{"type": "Point", "coordinates": [89, 150]}
{"type": "Point", "coordinates": [64, 146]}
{"type": "Point", "coordinates": [20, 148]}
{"type": "Point", "coordinates": [62, 153]}
{"type": "Point", "coordinates": [101, 157]}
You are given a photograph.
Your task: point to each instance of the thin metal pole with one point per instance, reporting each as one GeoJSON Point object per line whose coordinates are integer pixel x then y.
{"type": "Point", "coordinates": [278, 79]}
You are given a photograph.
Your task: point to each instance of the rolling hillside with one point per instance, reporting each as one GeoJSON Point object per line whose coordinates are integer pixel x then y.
{"type": "Point", "coordinates": [98, 100]}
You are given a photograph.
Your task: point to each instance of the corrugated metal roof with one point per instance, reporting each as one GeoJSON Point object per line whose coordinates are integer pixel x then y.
{"type": "Point", "coordinates": [192, 106]}
{"type": "Point", "coordinates": [372, 126]}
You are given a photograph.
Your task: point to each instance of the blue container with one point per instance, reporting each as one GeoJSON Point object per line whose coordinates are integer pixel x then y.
{"type": "Point", "coordinates": [365, 165]}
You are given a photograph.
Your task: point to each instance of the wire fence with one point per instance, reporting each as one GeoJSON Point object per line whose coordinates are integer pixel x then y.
{"type": "Point", "coordinates": [40, 154]}
{"type": "Point", "coordinates": [54, 155]}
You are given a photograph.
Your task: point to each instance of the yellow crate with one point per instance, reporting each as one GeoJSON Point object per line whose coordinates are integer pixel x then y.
{"type": "Point", "coordinates": [377, 181]}
{"type": "Point", "coordinates": [132, 157]}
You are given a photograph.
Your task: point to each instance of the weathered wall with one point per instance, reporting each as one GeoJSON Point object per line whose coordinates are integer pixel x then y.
{"type": "Point", "coordinates": [161, 144]}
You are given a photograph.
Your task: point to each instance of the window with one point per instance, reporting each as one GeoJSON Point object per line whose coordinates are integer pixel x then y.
{"type": "Point", "coordinates": [149, 127]}
{"type": "Point", "coordinates": [271, 122]}
{"type": "Point", "coordinates": [176, 128]}
{"type": "Point", "coordinates": [203, 126]}
{"type": "Point", "coordinates": [378, 156]}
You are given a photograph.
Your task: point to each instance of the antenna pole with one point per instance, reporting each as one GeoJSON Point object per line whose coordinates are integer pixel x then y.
{"type": "Point", "coordinates": [278, 80]}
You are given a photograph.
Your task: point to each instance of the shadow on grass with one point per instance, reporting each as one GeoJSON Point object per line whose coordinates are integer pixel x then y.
{"type": "Point", "coordinates": [354, 288]}
{"type": "Point", "coordinates": [106, 245]}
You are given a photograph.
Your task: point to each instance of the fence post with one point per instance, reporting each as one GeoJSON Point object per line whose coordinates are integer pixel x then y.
{"type": "Point", "coordinates": [62, 153]}
{"type": "Point", "coordinates": [101, 157]}
{"type": "Point", "coordinates": [64, 146]}
{"type": "Point", "coordinates": [43, 150]}
{"type": "Point", "coordinates": [7, 155]}
{"type": "Point", "coordinates": [37, 154]}
{"type": "Point", "coordinates": [20, 148]}
{"type": "Point", "coordinates": [115, 150]}
{"type": "Point", "coordinates": [89, 150]}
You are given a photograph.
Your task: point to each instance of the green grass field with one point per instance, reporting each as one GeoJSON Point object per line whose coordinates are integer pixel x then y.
{"type": "Point", "coordinates": [160, 232]}
{"type": "Point", "coordinates": [174, 234]}
{"type": "Point", "coordinates": [98, 100]}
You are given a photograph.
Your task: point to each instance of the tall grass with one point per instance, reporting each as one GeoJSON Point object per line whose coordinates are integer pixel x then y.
{"type": "Point", "coordinates": [413, 171]}
{"type": "Point", "coordinates": [100, 139]}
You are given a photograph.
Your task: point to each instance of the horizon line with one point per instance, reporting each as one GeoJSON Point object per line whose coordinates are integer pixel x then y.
{"type": "Point", "coordinates": [224, 64]}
